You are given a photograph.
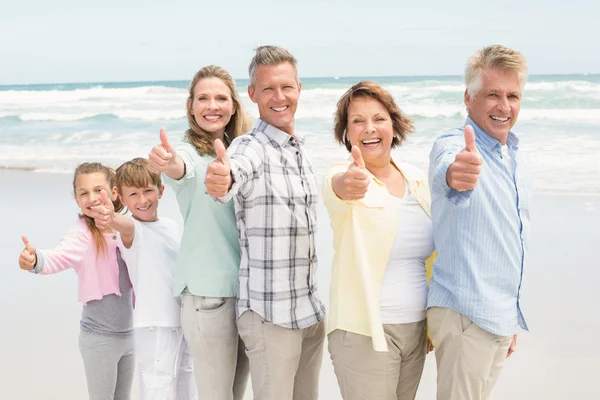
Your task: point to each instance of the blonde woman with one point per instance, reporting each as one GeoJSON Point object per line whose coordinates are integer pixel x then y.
{"type": "Point", "coordinates": [206, 275]}
{"type": "Point", "coordinates": [383, 240]}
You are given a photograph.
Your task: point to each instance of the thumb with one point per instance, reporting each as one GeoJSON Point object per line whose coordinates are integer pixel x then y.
{"type": "Point", "coordinates": [357, 156]}
{"type": "Point", "coordinates": [221, 152]}
{"type": "Point", "coordinates": [470, 139]}
{"type": "Point", "coordinates": [30, 249]}
{"type": "Point", "coordinates": [164, 140]}
{"type": "Point", "coordinates": [105, 200]}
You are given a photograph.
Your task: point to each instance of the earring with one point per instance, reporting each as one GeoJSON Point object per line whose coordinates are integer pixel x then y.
{"type": "Point", "coordinates": [344, 139]}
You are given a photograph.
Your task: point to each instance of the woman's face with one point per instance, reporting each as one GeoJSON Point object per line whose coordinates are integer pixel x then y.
{"type": "Point", "coordinates": [212, 105]}
{"type": "Point", "coordinates": [370, 128]}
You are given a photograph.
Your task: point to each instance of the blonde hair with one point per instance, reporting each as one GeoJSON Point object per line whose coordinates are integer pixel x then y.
{"type": "Point", "coordinates": [493, 57]}
{"type": "Point", "coordinates": [238, 125]}
{"type": "Point", "coordinates": [402, 125]}
{"type": "Point", "coordinates": [90, 168]}
{"type": "Point", "coordinates": [270, 55]}
{"type": "Point", "coordinates": [135, 173]}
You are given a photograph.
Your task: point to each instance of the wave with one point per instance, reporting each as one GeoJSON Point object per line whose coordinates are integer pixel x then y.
{"type": "Point", "coordinates": [141, 115]}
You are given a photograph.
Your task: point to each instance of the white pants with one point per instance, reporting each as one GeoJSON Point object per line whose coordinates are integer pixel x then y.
{"type": "Point", "coordinates": [165, 364]}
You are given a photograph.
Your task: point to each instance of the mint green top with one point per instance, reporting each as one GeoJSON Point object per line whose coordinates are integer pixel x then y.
{"type": "Point", "coordinates": [209, 256]}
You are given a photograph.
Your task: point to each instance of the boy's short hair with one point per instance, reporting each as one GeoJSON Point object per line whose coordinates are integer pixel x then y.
{"type": "Point", "coordinates": [135, 173]}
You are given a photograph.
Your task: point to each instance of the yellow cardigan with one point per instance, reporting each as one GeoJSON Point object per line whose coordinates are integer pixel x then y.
{"type": "Point", "coordinates": [363, 234]}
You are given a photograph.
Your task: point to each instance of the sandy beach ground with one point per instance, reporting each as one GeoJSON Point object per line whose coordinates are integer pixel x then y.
{"type": "Point", "coordinates": [558, 359]}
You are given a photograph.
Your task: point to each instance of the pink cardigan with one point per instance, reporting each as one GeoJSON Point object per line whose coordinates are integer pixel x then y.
{"type": "Point", "coordinates": [98, 274]}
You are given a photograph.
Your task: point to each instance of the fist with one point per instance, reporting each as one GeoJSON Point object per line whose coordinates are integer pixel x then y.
{"type": "Point", "coordinates": [27, 259]}
{"type": "Point", "coordinates": [218, 173]}
{"type": "Point", "coordinates": [161, 155]}
{"type": "Point", "coordinates": [103, 214]}
{"type": "Point", "coordinates": [463, 173]}
{"type": "Point", "coordinates": [356, 178]}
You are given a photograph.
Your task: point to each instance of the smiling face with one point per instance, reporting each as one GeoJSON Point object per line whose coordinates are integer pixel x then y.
{"type": "Point", "coordinates": [370, 128]}
{"type": "Point", "coordinates": [496, 105]}
{"type": "Point", "coordinates": [276, 92]}
{"type": "Point", "coordinates": [212, 105]}
{"type": "Point", "coordinates": [142, 202]}
{"type": "Point", "coordinates": [87, 191]}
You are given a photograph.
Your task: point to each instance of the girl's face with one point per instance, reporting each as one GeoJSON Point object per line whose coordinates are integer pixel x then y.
{"type": "Point", "coordinates": [87, 191]}
{"type": "Point", "coordinates": [212, 105]}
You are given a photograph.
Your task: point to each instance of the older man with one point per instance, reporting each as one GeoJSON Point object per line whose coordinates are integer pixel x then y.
{"type": "Point", "coordinates": [480, 209]}
{"type": "Point", "coordinates": [267, 173]}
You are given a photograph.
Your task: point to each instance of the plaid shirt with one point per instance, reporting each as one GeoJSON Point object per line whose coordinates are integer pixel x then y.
{"type": "Point", "coordinates": [275, 195]}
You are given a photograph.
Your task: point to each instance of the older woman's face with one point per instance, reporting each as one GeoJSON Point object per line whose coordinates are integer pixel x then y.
{"type": "Point", "coordinates": [370, 128]}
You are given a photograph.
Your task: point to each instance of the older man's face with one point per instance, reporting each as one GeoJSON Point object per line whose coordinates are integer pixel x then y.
{"type": "Point", "coordinates": [496, 106]}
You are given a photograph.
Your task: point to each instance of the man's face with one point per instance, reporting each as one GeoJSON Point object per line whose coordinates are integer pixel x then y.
{"type": "Point", "coordinates": [276, 92]}
{"type": "Point", "coordinates": [496, 106]}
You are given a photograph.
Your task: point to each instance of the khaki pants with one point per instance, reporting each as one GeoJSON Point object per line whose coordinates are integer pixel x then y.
{"type": "Point", "coordinates": [220, 364]}
{"type": "Point", "coordinates": [469, 359]}
{"type": "Point", "coordinates": [284, 363]}
{"type": "Point", "coordinates": [365, 374]}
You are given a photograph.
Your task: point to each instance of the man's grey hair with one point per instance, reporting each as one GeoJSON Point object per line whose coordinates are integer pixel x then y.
{"type": "Point", "coordinates": [270, 55]}
{"type": "Point", "coordinates": [495, 57]}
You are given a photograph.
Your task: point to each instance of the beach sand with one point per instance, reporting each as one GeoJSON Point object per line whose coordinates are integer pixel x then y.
{"type": "Point", "coordinates": [558, 359]}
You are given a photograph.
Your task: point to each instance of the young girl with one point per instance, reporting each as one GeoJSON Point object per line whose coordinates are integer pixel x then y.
{"type": "Point", "coordinates": [206, 275]}
{"type": "Point", "coordinates": [106, 337]}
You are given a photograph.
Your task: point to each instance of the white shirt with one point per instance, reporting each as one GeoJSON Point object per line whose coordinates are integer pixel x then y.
{"type": "Point", "coordinates": [151, 263]}
{"type": "Point", "coordinates": [404, 289]}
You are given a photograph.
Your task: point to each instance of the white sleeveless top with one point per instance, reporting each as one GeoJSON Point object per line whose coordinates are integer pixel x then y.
{"type": "Point", "coordinates": [404, 288]}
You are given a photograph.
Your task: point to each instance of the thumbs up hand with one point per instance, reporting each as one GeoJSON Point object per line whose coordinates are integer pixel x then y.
{"type": "Point", "coordinates": [27, 259]}
{"type": "Point", "coordinates": [218, 173]}
{"type": "Point", "coordinates": [162, 154]}
{"type": "Point", "coordinates": [354, 183]}
{"type": "Point", "coordinates": [103, 214]}
{"type": "Point", "coordinates": [463, 173]}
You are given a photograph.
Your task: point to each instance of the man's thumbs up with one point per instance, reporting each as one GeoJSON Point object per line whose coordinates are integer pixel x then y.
{"type": "Point", "coordinates": [218, 173]}
{"type": "Point", "coordinates": [463, 173]}
{"type": "Point", "coordinates": [162, 154]}
{"type": "Point", "coordinates": [27, 259]}
{"type": "Point", "coordinates": [470, 139]}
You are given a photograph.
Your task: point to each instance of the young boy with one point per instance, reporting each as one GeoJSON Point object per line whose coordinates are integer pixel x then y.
{"type": "Point", "coordinates": [149, 246]}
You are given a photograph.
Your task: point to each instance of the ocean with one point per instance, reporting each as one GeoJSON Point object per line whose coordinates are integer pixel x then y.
{"type": "Point", "coordinates": [52, 128]}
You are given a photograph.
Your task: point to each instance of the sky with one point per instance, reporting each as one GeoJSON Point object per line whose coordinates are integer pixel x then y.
{"type": "Point", "coordinates": [65, 41]}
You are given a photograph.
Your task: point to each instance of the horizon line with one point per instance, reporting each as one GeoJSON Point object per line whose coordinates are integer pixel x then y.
{"type": "Point", "coordinates": [305, 77]}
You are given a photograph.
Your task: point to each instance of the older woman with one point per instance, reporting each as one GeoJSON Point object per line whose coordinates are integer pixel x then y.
{"type": "Point", "coordinates": [383, 240]}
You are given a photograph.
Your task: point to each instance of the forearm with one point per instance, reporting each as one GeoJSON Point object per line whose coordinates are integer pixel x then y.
{"type": "Point", "coordinates": [337, 184]}
{"type": "Point", "coordinates": [125, 227]}
{"type": "Point", "coordinates": [176, 170]}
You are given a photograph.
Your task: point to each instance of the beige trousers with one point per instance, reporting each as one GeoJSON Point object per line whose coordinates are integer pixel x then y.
{"type": "Point", "coordinates": [469, 359]}
{"type": "Point", "coordinates": [220, 364]}
{"type": "Point", "coordinates": [365, 374]}
{"type": "Point", "coordinates": [284, 363]}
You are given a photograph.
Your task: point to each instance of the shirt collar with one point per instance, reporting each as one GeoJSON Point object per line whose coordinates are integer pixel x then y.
{"type": "Point", "coordinates": [512, 141]}
{"type": "Point", "coordinates": [276, 134]}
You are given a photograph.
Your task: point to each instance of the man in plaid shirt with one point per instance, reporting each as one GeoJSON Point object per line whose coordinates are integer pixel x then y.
{"type": "Point", "coordinates": [267, 173]}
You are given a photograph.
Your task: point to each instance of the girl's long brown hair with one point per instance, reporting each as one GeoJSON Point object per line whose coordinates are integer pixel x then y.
{"type": "Point", "coordinates": [90, 168]}
{"type": "Point", "coordinates": [238, 125]}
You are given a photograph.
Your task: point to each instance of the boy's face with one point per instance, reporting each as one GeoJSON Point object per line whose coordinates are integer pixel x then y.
{"type": "Point", "coordinates": [142, 202]}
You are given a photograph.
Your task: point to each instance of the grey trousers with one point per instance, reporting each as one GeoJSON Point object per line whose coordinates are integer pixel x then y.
{"type": "Point", "coordinates": [109, 365]}
{"type": "Point", "coordinates": [220, 364]}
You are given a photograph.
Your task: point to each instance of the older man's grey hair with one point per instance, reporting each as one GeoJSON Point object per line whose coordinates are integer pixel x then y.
{"type": "Point", "coordinates": [270, 55]}
{"type": "Point", "coordinates": [495, 57]}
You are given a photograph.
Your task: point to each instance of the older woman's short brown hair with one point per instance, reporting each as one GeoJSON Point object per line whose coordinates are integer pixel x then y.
{"type": "Point", "coordinates": [402, 124]}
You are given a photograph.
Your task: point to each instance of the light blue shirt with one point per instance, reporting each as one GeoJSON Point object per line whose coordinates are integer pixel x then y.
{"type": "Point", "coordinates": [481, 235]}
{"type": "Point", "coordinates": [209, 256]}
